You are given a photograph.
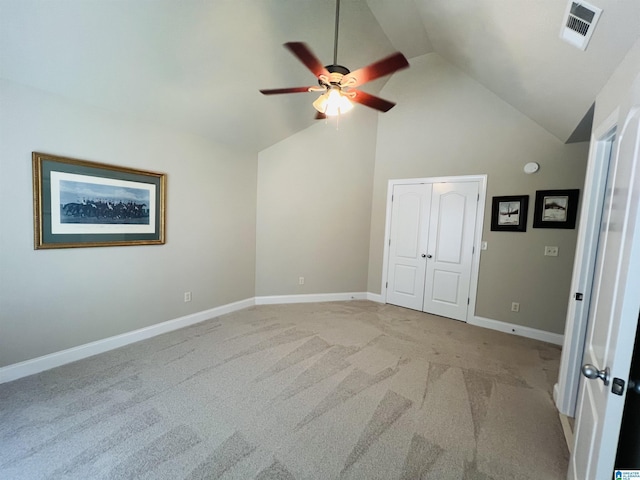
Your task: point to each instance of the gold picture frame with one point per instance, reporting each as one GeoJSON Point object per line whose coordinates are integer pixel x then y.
{"type": "Point", "coordinates": [79, 203]}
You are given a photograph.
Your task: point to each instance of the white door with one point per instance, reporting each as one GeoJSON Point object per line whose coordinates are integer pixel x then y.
{"type": "Point", "coordinates": [431, 246]}
{"type": "Point", "coordinates": [613, 315]}
{"type": "Point", "coordinates": [450, 249]}
{"type": "Point", "coordinates": [408, 239]}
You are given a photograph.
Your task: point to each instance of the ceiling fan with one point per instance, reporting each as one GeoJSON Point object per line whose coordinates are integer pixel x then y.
{"type": "Point", "coordinates": [337, 82]}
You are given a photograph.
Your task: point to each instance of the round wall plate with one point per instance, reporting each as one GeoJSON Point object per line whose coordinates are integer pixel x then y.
{"type": "Point", "coordinates": [531, 167]}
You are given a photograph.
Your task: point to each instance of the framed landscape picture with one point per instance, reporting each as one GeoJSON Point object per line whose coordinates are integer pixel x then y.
{"type": "Point", "coordinates": [509, 213]}
{"type": "Point", "coordinates": [78, 203]}
{"type": "Point", "coordinates": [556, 209]}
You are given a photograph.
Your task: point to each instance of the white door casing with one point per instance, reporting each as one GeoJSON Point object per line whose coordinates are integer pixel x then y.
{"type": "Point", "coordinates": [450, 249]}
{"type": "Point", "coordinates": [614, 310]}
{"type": "Point", "coordinates": [566, 390]}
{"type": "Point", "coordinates": [409, 230]}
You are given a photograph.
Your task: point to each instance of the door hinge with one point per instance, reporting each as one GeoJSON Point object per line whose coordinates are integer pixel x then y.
{"type": "Point", "coordinates": [389, 242]}
{"type": "Point", "coordinates": [473, 250]}
{"type": "Point", "coordinates": [392, 198]}
{"type": "Point", "coordinates": [468, 300]}
{"type": "Point", "coordinates": [478, 199]}
{"type": "Point", "coordinates": [386, 285]}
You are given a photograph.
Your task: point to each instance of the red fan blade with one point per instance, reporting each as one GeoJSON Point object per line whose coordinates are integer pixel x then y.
{"type": "Point", "coordinates": [383, 67]}
{"type": "Point", "coordinates": [320, 116]}
{"type": "Point", "coordinates": [372, 101]}
{"type": "Point", "coordinates": [275, 91]}
{"type": "Point", "coordinates": [306, 56]}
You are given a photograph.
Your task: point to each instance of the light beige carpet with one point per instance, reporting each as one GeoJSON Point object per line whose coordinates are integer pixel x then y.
{"type": "Point", "coordinates": [344, 390]}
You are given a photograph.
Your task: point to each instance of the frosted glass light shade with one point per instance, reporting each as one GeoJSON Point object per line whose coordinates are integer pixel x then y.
{"type": "Point", "coordinates": [332, 103]}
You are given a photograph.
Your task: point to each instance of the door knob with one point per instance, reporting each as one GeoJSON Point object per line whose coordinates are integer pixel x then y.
{"type": "Point", "coordinates": [424, 255]}
{"type": "Point", "coordinates": [429, 256]}
{"type": "Point", "coordinates": [592, 373]}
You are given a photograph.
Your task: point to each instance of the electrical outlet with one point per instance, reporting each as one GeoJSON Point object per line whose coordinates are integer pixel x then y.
{"type": "Point", "coordinates": [483, 245]}
{"type": "Point", "coordinates": [300, 280]}
{"type": "Point", "coordinates": [187, 296]}
{"type": "Point", "coordinates": [515, 307]}
{"type": "Point", "coordinates": [550, 251]}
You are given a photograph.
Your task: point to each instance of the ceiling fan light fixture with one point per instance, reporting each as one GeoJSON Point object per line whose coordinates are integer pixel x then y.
{"type": "Point", "coordinates": [336, 81]}
{"type": "Point", "coordinates": [333, 102]}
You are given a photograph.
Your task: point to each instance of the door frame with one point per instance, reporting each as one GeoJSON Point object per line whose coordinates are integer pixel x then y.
{"type": "Point", "coordinates": [621, 320]}
{"type": "Point", "coordinates": [565, 392]}
{"type": "Point", "coordinates": [477, 240]}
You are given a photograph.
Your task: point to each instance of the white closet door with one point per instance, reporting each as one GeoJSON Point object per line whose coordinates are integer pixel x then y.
{"type": "Point", "coordinates": [408, 241]}
{"type": "Point", "coordinates": [450, 249]}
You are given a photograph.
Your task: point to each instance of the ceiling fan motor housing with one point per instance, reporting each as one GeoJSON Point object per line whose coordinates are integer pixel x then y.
{"type": "Point", "coordinates": [336, 74]}
{"type": "Point", "coordinates": [337, 69]}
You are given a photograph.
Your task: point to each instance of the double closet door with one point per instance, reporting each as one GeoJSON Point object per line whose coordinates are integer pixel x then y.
{"type": "Point", "coordinates": [431, 247]}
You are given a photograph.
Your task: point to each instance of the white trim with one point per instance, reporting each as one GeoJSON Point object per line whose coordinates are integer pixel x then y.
{"type": "Point", "coordinates": [311, 298]}
{"type": "Point", "coordinates": [375, 297]}
{"type": "Point", "coordinates": [46, 362]}
{"type": "Point", "coordinates": [477, 242]}
{"type": "Point", "coordinates": [568, 432]}
{"type": "Point", "coordinates": [477, 245]}
{"type": "Point", "coordinates": [600, 152]}
{"type": "Point", "coordinates": [519, 330]}
{"type": "Point", "coordinates": [387, 237]}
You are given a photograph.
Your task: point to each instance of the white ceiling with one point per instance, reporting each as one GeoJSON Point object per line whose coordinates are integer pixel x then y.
{"type": "Point", "coordinates": [197, 65]}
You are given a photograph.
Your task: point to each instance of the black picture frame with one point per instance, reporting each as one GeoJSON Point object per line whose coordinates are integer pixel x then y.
{"type": "Point", "coordinates": [509, 213]}
{"type": "Point", "coordinates": [78, 203]}
{"type": "Point", "coordinates": [556, 209]}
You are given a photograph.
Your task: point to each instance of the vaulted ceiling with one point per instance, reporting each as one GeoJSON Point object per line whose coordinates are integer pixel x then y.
{"type": "Point", "coordinates": [197, 65]}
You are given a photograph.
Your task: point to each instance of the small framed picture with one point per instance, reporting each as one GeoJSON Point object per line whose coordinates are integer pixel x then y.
{"type": "Point", "coordinates": [556, 209]}
{"type": "Point", "coordinates": [509, 214]}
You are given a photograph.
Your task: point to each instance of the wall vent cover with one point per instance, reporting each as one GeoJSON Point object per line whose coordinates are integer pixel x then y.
{"type": "Point", "coordinates": [579, 22]}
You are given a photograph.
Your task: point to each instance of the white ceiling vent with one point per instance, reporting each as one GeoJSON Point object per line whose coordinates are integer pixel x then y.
{"type": "Point", "coordinates": [579, 21]}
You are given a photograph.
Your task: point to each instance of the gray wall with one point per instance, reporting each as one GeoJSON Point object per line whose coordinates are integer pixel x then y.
{"type": "Point", "coordinates": [446, 123]}
{"type": "Point", "coordinates": [620, 82]}
{"type": "Point", "coordinates": [314, 207]}
{"type": "Point", "coordinates": [51, 300]}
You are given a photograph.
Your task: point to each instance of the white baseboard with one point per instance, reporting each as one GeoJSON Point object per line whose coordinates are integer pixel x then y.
{"type": "Point", "coordinates": [311, 298]}
{"type": "Point", "coordinates": [568, 431]}
{"type": "Point", "coordinates": [542, 335]}
{"type": "Point", "coordinates": [375, 297]}
{"type": "Point", "coordinates": [46, 362]}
